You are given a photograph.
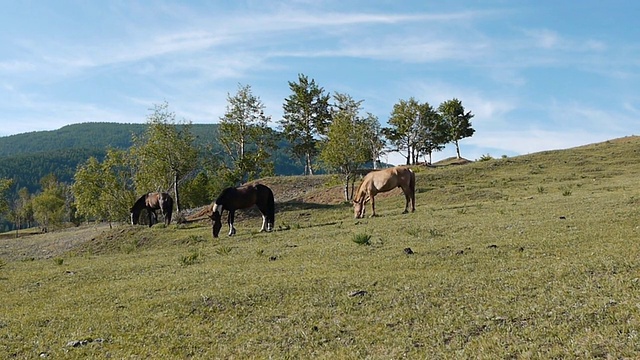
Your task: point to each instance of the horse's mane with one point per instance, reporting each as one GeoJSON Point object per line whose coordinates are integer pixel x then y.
{"type": "Point", "coordinates": [360, 193]}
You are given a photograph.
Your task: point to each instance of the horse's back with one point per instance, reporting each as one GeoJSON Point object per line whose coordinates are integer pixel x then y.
{"type": "Point", "coordinates": [388, 179]}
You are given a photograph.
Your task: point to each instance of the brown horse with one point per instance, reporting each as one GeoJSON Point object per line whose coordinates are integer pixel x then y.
{"type": "Point", "coordinates": [232, 199]}
{"type": "Point", "coordinates": [383, 181]}
{"type": "Point", "coordinates": [151, 202]}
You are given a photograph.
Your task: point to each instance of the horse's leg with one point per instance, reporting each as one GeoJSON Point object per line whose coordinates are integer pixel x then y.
{"type": "Point", "coordinates": [232, 229]}
{"type": "Point", "coordinates": [407, 198]}
{"type": "Point", "coordinates": [264, 223]}
{"type": "Point", "coordinates": [373, 206]}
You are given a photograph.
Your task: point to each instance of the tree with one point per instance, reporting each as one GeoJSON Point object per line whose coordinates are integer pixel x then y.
{"type": "Point", "coordinates": [347, 146]}
{"type": "Point", "coordinates": [164, 154]}
{"type": "Point", "coordinates": [22, 210]}
{"type": "Point", "coordinates": [104, 191]}
{"type": "Point", "coordinates": [5, 184]}
{"type": "Point", "coordinates": [432, 132]}
{"type": "Point", "coordinates": [306, 117]}
{"type": "Point", "coordinates": [196, 191]}
{"type": "Point", "coordinates": [458, 122]}
{"type": "Point", "coordinates": [402, 134]}
{"type": "Point", "coordinates": [246, 137]}
{"type": "Point", "coordinates": [49, 207]}
{"type": "Point", "coordinates": [375, 141]}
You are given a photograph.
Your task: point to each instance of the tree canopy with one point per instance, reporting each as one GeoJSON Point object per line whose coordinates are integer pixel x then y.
{"type": "Point", "coordinates": [164, 154]}
{"type": "Point", "coordinates": [348, 143]}
{"type": "Point", "coordinates": [246, 137]}
{"type": "Point", "coordinates": [306, 117]}
{"type": "Point", "coordinates": [458, 122]}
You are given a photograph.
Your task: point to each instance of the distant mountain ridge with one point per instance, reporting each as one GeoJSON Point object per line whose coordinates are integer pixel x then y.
{"type": "Point", "coordinates": [85, 135]}
{"type": "Point", "coordinates": [28, 157]}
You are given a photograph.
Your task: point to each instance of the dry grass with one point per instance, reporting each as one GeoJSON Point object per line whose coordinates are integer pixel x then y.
{"type": "Point", "coordinates": [532, 257]}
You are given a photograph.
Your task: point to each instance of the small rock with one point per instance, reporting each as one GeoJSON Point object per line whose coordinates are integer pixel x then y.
{"type": "Point", "coordinates": [408, 251]}
{"type": "Point", "coordinates": [358, 293]}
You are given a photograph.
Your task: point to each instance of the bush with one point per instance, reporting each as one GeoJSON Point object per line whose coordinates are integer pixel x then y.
{"type": "Point", "coordinates": [486, 157]}
{"type": "Point", "coordinates": [361, 239]}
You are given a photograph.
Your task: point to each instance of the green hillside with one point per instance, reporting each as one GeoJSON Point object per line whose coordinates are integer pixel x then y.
{"type": "Point", "coordinates": [77, 136]}
{"type": "Point", "coordinates": [530, 257]}
{"type": "Point", "coordinates": [28, 157]}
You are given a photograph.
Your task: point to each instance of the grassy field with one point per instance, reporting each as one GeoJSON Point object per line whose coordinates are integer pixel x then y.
{"type": "Point", "coordinates": [532, 257]}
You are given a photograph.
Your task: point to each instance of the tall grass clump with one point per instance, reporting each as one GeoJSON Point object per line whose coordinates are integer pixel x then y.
{"type": "Point", "coordinates": [190, 259]}
{"type": "Point", "coordinates": [361, 239]}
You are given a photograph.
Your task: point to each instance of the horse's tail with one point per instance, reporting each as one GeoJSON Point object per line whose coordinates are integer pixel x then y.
{"type": "Point", "coordinates": [412, 181]}
{"type": "Point", "coordinates": [271, 207]}
{"type": "Point", "coordinates": [412, 187]}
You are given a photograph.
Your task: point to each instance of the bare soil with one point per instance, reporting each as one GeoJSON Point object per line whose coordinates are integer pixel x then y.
{"type": "Point", "coordinates": [29, 245]}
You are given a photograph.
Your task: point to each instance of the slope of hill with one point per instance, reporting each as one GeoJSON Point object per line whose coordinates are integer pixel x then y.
{"type": "Point", "coordinates": [533, 256]}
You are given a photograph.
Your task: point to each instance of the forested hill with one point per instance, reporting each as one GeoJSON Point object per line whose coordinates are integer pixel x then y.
{"type": "Point", "coordinates": [86, 136]}
{"type": "Point", "coordinates": [28, 157]}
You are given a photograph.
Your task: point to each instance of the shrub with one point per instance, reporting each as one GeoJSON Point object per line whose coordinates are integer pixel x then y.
{"type": "Point", "coordinates": [361, 239]}
{"type": "Point", "coordinates": [486, 157]}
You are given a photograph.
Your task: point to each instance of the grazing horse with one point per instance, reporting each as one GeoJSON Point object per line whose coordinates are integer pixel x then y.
{"type": "Point", "coordinates": [383, 181]}
{"type": "Point", "coordinates": [232, 199]}
{"type": "Point", "coordinates": [151, 202]}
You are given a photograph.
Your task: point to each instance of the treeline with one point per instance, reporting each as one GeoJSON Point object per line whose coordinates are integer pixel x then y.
{"type": "Point", "coordinates": [319, 130]}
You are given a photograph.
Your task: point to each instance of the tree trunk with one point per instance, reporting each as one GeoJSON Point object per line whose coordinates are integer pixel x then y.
{"type": "Point", "coordinates": [308, 165]}
{"type": "Point", "coordinates": [353, 185]}
{"type": "Point", "coordinates": [175, 191]}
{"type": "Point", "coordinates": [346, 187]}
{"type": "Point", "coordinates": [458, 150]}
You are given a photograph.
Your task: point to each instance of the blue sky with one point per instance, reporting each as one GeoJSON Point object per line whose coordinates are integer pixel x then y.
{"type": "Point", "coordinates": [538, 75]}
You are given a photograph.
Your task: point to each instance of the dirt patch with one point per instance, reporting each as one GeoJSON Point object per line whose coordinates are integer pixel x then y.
{"type": "Point", "coordinates": [48, 245]}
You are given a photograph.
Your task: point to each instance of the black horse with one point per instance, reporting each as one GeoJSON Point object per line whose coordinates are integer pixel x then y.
{"type": "Point", "coordinates": [151, 202]}
{"type": "Point", "coordinates": [232, 199]}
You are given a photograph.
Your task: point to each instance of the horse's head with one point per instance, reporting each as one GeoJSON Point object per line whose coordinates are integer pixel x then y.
{"type": "Point", "coordinates": [216, 218]}
{"type": "Point", "coordinates": [358, 209]}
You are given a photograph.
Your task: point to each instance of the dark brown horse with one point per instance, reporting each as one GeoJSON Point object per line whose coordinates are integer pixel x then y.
{"type": "Point", "coordinates": [232, 199]}
{"type": "Point", "coordinates": [383, 181]}
{"type": "Point", "coordinates": [151, 202]}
